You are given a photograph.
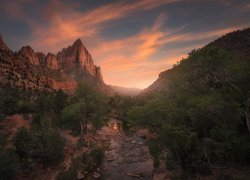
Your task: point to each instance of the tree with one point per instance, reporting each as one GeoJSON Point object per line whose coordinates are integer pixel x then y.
{"type": "Point", "coordinates": [74, 117]}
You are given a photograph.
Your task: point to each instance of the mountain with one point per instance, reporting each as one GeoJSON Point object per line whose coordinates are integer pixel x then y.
{"type": "Point", "coordinates": [237, 43]}
{"type": "Point", "coordinates": [126, 91]}
{"type": "Point", "coordinates": [35, 70]}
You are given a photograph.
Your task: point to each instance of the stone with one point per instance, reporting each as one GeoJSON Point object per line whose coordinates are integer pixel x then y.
{"type": "Point", "coordinates": [143, 133]}
{"type": "Point", "coordinates": [29, 54]}
{"type": "Point", "coordinates": [76, 58]}
{"type": "Point", "coordinates": [51, 61]}
{"type": "Point", "coordinates": [33, 70]}
{"type": "Point", "coordinates": [3, 46]}
{"type": "Point", "coordinates": [80, 175]}
{"type": "Point", "coordinates": [96, 175]}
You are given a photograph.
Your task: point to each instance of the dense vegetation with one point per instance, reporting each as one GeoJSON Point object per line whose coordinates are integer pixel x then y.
{"type": "Point", "coordinates": [51, 111]}
{"type": "Point", "coordinates": [203, 117]}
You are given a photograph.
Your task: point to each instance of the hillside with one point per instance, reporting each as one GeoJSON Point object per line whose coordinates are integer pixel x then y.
{"type": "Point", "coordinates": [237, 42]}
{"type": "Point", "coordinates": [126, 91]}
{"type": "Point", "coordinates": [201, 110]}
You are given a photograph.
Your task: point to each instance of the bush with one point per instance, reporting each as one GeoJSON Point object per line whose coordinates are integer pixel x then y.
{"type": "Point", "coordinates": [71, 173]}
{"type": "Point", "coordinates": [48, 143]}
{"type": "Point", "coordinates": [42, 142]}
{"type": "Point", "coordinates": [9, 164]}
{"type": "Point", "coordinates": [92, 160]}
{"type": "Point", "coordinates": [23, 142]}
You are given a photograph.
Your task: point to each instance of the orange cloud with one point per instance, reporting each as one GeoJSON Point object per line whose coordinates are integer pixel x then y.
{"type": "Point", "coordinates": [132, 61]}
{"type": "Point", "coordinates": [65, 22]}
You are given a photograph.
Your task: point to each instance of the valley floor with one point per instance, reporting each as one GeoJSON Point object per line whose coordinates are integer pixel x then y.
{"type": "Point", "coordinates": [127, 157]}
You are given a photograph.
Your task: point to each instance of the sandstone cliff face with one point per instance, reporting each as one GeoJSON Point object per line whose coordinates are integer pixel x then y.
{"type": "Point", "coordinates": [31, 70]}
{"type": "Point", "coordinates": [51, 61]}
{"type": "Point", "coordinates": [3, 46]}
{"type": "Point", "coordinates": [77, 59]}
{"type": "Point", "coordinates": [41, 58]}
{"type": "Point", "coordinates": [29, 54]}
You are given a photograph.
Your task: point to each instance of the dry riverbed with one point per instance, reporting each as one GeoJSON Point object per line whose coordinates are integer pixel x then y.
{"type": "Point", "coordinates": [126, 157]}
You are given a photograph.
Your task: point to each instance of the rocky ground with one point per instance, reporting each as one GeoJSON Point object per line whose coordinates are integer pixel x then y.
{"type": "Point", "coordinates": [126, 157]}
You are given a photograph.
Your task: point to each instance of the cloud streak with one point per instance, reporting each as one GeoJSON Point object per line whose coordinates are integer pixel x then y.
{"type": "Point", "coordinates": [134, 61]}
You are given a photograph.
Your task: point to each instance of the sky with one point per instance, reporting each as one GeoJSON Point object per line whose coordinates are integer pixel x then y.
{"type": "Point", "coordinates": [132, 40]}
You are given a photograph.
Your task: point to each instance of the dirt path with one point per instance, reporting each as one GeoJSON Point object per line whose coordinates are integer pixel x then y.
{"type": "Point", "coordinates": [127, 156]}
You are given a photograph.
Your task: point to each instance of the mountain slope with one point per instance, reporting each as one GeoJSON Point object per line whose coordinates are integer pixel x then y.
{"type": "Point", "coordinates": [126, 91]}
{"type": "Point", "coordinates": [34, 70]}
{"type": "Point", "coordinates": [237, 42]}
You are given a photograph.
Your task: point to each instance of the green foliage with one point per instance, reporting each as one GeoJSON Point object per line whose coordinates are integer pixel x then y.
{"type": "Point", "coordinates": [201, 118]}
{"type": "Point", "coordinates": [23, 142]}
{"type": "Point", "coordinates": [8, 159]}
{"type": "Point", "coordinates": [9, 164]}
{"type": "Point", "coordinates": [52, 104]}
{"type": "Point", "coordinates": [87, 162]}
{"type": "Point", "coordinates": [119, 105]}
{"type": "Point", "coordinates": [48, 142]}
{"type": "Point", "coordinates": [155, 151]}
{"type": "Point", "coordinates": [73, 115]}
{"type": "Point", "coordinates": [87, 106]}
{"type": "Point", "coordinates": [42, 142]}
{"type": "Point", "coordinates": [14, 100]}
{"type": "Point", "coordinates": [92, 159]}
{"type": "Point", "coordinates": [71, 173]}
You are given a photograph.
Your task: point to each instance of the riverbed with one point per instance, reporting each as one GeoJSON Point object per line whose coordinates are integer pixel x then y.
{"type": "Point", "coordinates": [126, 157]}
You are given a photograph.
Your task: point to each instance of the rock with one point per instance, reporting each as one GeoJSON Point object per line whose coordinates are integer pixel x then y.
{"type": "Point", "coordinates": [41, 58]}
{"type": "Point", "coordinates": [133, 174]}
{"type": "Point", "coordinates": [76, 58]}
{"type": "Point", "coordinates": [51, 61]}
{"type": "Point", "coordinates": [133, 142]}
{"type": "Point", "coordinates": [96, 175]}
{"type": "Point", "coordinates": [35, 71]}
{"type": "Point", "coordinates": [3, 46]}
{"type": "Point", "coordinates": [110, 159]}
{"type": "Point", "coordinates": [80, 175]}
{"type": "Point", "coordinates": [143, 133]}
{"type": "Point", "coordinates": [29, 54]}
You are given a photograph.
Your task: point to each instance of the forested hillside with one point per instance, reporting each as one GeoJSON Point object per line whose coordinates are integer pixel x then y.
{"type": "Point", "coordinates": [200, 107]}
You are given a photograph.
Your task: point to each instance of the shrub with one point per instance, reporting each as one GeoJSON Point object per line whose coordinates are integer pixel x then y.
{"type": "Point", "coordinates": [9, 164]}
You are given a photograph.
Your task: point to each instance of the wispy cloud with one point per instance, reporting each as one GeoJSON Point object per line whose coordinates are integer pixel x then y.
{"type": "Point", "coordinates": [137, 56]}
{"type": "Point", "coordinates": [63, 22]}
{"type": "Point", "coordinates": [132, 61]}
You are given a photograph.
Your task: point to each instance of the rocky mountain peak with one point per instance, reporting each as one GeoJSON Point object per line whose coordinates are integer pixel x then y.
{"type": "Point", "coordinates": [41, 58]}
{"type": "Point", "coordinates": [77, 60]}
{"type": "Point", "coordinates": [51, 61]}
{"type": "Point", "coordinates": [3, 46]}
{"type": "Point", "coordinates": [35, 70]}
{"type": "Point", "coordinates": [78, 43]}
{"type": "Point", "coordinates": [29, 54]}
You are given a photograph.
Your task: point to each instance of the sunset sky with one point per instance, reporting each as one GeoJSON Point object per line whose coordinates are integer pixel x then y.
{"type": "Point", "coordinates": [132, 40]}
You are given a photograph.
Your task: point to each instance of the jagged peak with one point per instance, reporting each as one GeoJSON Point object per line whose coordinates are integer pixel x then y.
{"type": "Point", "coordinates": [50, 54]}
{"type": "Point", "coordinates": [3, 45]}
{"type": "Point", "coordinates": [27, 49]}
{"type": "Point", "coordinates": [78, 42]}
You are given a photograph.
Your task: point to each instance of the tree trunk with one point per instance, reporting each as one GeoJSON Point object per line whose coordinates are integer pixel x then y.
{"type": "Point", "coordinates": [82, 128]}
{"type": "Point", "coordinates": [246, 103]}
{"type": "Point", "coordinates": [247, 113]}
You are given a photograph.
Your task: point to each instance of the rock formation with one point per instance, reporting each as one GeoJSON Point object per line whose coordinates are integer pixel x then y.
{"type": "Point", "coordinates": [77, 59]}
{"type": "Point", "coordinates": [3, 46]}
{"type": "Point", "coordinates": [29, 54]}
{"type": "Point", "coordinates": [51, 61]}
{"type": "Point", "coordinates": [31, 70]}
{"type": "Point", "coordinates": [41, 58]}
